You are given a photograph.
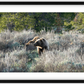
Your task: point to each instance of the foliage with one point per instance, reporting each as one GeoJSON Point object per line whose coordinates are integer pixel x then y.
{"type": "Point", "coordinates": [65, 53]}
{"type": "Point", "coordinates": [61, 19]}
{"type": "Point", "coordinates": [43, 21]}
{"type": "Point", "coordinates": [37, 21]}
{"type": "Point", "coordinates": [16, 21]}
{"type": "Point", "coordinates": [77, 23]}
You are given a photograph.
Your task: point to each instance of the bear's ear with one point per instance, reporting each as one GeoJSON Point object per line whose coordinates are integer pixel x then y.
{"type": "Point", "coordinates": [43, 39]}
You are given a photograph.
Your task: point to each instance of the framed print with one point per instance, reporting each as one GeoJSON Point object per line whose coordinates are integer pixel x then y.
{"type": "Point", "coordinates": [42, 42]}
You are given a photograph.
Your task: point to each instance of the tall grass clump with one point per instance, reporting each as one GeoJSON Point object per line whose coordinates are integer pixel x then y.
{"type": "Point", "coordinates": [14, 56]}
{"type": "Point", "coordinates": [63, 55]}
{"type": "Point", "coordinates": [65, 52]}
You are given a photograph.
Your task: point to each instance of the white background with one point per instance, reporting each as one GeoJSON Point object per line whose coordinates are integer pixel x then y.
{"type": "Point", "coordinates": [41, 8]}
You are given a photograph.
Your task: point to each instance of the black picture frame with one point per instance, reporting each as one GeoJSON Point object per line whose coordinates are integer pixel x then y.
{"type": "Point", "coordinates": [41, 81]}
{"type": "Point", "coordinates": [41, 3]}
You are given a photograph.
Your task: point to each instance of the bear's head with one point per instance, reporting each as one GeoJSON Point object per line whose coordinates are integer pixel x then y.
{"type": "Point", "coordinates": [40, 42]}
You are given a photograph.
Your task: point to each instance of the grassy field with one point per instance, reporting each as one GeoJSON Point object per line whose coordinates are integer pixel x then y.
{"type": "Point", "coordinates": [66, 52]}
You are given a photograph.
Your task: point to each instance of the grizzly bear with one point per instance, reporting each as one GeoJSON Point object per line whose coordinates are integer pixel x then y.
{"type": "Point", "coordinates": [30, 44]}
{"type": "Point", "coordinates": [40, 43]}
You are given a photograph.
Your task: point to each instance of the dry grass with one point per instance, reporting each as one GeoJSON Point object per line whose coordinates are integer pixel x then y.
{"type": "Point", "coordinates": [13, 55]}
{"type": "Point", "coordinates": [66, 52]}
{"type": "Point", "coordinates": [64, 55]}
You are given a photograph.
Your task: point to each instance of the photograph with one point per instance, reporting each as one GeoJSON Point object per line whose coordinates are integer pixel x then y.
{"type": "Point", "coordinates": [41, 41]}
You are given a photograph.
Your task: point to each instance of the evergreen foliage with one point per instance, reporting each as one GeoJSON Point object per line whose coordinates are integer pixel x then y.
{"type": "Point", "coordinates": [40, 21]}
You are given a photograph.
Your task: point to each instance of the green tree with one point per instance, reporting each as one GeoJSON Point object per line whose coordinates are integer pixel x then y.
{"type": "Point", "coordinates": [16, 21]}
{"type": "Point", "coordinates": [36, 21]}
{"type": "Point", "coordinates": [61, 18]}
{"type": "Point", "coordinates": [77, 23]}
{"type": "Point", "coordinates": [69, 21]}
{"type": "Point", "coordinates": [43, 21]}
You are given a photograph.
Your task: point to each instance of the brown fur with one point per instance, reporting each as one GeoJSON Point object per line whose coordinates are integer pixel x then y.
{"type": "Point", "coordinates": [32, 41]}
{"type": "Point", "coordinates": [41, 44]}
